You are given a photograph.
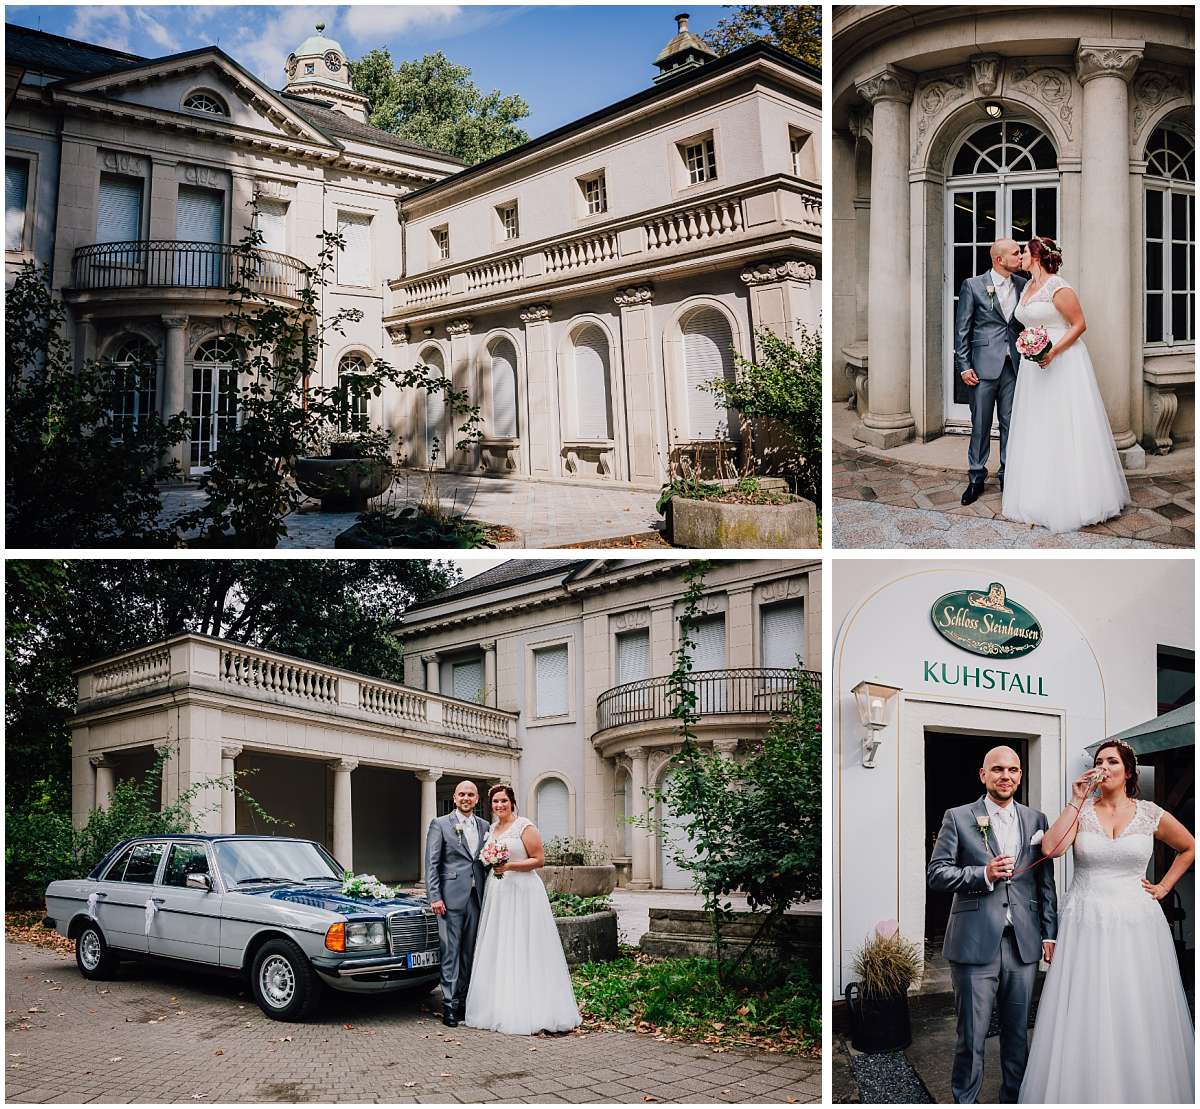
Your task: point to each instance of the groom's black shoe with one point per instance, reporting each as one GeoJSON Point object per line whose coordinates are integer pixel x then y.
{"type": "Point", "coordinates": [449, 1016]}
{"type": "Point", "coordinates": [972, 492]}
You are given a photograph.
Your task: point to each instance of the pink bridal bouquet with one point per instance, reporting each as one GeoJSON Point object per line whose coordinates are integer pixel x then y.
{"type": "Point", "coordinates": [1034, 344]}
{"type": "Point", "coordinates": [493, 854]}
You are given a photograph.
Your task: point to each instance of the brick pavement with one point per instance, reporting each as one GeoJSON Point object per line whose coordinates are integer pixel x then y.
{"type": "Point", "coordinates": [155, 1035]}
{"type": "Point", "coordinates": [1163, 512]}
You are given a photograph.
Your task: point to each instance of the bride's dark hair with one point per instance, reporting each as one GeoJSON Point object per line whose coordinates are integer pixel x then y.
{"type": "Point", "coordinates": [1047, 252]}
{"type": "Point", "coordinates": [503, 789]}
{"type": "Point", "coordinates": [1128, 758]}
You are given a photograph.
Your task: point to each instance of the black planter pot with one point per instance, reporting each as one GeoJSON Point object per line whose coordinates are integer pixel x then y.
{"type": "Point", "coordinates": [878, 1024]}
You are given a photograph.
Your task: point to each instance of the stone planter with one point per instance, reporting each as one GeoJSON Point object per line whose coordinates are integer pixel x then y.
{"type": "Point", "coordinates": [588, 939]}
{"type": "Point", "coordinates": [685, 932]}
{"type": "Point", "coordinates": [343, 484]}
{"type": "Point", "coordinates": [703, 524]}
{"type": "Point", "coordinates": [582, 881]}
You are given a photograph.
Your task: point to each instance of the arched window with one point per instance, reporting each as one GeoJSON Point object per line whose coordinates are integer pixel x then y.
{"type": "Point", "coordinates": [204, 101]}
{"type": "Point", "coordinates": [504, 389]}
{"type": "Point", "coordinates": [553, 809]}
{"type": "Point", "coordinates": [435, 410]}
{"type": "Point", "coordinates": [1170, 234]}
{"type": "Point", "coordinates": [707, 356]}
{"type": "Point", "coordinates": [354, 416]}
{"type": "Point", "coordinates": [135, 381]}
{"type": "Point", "coordinates": [1010, 146]}
{"type": "Point", "coordinates": [214, 398]}
{"type": "Point", "coordinates": [593, 418]}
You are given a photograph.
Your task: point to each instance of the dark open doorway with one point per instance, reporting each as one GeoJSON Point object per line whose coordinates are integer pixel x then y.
{"type": "Point", "coordinates": [952, 762]}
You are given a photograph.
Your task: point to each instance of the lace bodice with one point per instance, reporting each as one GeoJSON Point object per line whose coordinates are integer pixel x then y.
{"type": "Point", "coordinates": [511, 836]}
{"type": "Point", "coordinates": [1116, 865]}
{"type": "Point", "coordinates": [1038, 309]}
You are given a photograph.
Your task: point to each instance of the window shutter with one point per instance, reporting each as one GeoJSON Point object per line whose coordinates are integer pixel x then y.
{"type": "Point", "coordinates": [504, 391]}
{"type": "Point", "coordinates": [783, 634]}
{"type": "Point", "coordinates": [709, 635]}
{"type": "Point", "coordinates": [707, 355]}
{"type": "Point", "coordinates": [468, 680]}
{"type": "Point", "coordinates": [550, 680]}
{"type": "Point", "coordinates": [199, 217]}
{"type": "Point", "coordinates": [354, 259]}
{"type": "Point", "coordinates": [16, 198]}
{"type": "Point", "coordinates": [553, 809]}
{"type": "Point", "coordinates": [120, 215]}
{"type": "Point", "coordinates": [633, 656]}
{"type": "Point", "coordinates": [591, 384]}
{"type": "Point", "coordinates": [272, 222]}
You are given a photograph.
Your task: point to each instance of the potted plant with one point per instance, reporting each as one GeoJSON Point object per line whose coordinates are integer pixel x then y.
{"type": "Point", "coordinates": [886, 965]}
{"type": "Point", "coordinates": [578, 867]}
{"type": "Point", "coordinates": [352, 469]}
{"type": "Point", "coordinates": [737, 512]}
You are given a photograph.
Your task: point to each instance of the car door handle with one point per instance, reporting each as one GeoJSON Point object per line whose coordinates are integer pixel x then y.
{"type": "Point", "coordinates": [158, 900]}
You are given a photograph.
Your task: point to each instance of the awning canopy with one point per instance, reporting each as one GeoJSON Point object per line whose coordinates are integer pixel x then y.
{"type": "Point", "coordinates": [1168, 732]}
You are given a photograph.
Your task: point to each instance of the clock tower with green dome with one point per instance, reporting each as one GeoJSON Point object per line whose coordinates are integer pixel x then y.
{"type": "Point", "coordinates": [317, 69]}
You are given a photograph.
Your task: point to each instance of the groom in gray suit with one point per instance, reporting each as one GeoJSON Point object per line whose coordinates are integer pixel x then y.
{"type": "Point", "coordinates": [454, 883]}
{"type": "Point", "coordinates": [985, 356]}
{"type": "Point", "coordinates": [1003, 920]}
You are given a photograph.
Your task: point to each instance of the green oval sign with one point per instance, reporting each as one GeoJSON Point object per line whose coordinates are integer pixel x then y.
{"type": "Point", "coordinates": [986, 622]}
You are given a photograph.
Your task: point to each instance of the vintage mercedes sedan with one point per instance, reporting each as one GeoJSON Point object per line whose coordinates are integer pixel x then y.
{"type": "Point", "coordinates": [269, 908]}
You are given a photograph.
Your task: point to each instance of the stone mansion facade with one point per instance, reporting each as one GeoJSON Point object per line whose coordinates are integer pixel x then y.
{"type": "Point", "coordinates": [580, 288]}
{"type": "Point", "coordinates": [550, 675]}
{"type": "Point", "coordinates": [955, 125]}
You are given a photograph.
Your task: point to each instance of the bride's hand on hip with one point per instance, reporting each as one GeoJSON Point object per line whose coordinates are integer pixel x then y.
{"type": "Point", "coordinates": [1157, 890]}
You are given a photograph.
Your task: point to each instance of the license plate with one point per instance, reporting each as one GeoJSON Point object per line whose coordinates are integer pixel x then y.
{"type": "Point", "coordinates": [423, 959]}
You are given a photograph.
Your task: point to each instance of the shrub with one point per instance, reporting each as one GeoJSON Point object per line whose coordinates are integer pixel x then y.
{"type": "Point", "coordinates": [567, 904]}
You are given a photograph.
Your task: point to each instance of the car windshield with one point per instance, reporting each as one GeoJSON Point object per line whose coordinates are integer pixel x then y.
{"type": "Point", "coordinates": [258, 861]}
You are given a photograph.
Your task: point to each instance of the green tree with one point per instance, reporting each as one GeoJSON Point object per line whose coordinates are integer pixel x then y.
{"type": "Point", "coordinates": [433, 102]}
{"type": "Point", "coordinates": [65, 614]}
{"type": "Point", "coordinates": [795, 28]}
{"type": "Point", "coordinates": [75, 475]}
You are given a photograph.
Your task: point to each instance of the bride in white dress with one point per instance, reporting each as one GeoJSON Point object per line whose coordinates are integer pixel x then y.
{"type": "Point", "coordinates": [1113, 1025]}
{"type": "Point", "coordinates": [1062, 470]}
{"type": "Point", "coordinates": [519, 979]}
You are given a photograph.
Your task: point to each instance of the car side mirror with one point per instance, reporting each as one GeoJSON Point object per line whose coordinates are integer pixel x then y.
{"type": "Point", "coordinates": [200, 882]}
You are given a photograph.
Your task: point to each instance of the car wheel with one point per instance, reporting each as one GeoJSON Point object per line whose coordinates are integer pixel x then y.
{"type": "Point", "coordinates": [92, 954]}
{"type": "Point", "coordinates": [285, 985]}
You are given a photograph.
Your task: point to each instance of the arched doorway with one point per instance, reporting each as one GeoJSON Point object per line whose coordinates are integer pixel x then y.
{"type": "Point", "coordinates": [1002, 182]}
{"type": "Point", "coordinates": [435, 412]}
{"type": "Point", "coordinates": [214, 399]}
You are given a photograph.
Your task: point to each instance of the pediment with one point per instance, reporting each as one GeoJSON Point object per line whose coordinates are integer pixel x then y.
{"type": "Point", "coordinates": [161, 85]}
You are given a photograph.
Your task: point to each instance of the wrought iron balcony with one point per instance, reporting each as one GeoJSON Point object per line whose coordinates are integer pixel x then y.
{"type": "Point", "coordinates": [177, 264]}
{"type": "Point", "coordinates": [746, 690]}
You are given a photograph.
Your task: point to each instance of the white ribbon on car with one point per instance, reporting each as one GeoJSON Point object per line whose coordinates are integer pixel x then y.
{"type": "Point", "coordinates": [151, 909]}
{"type": "Point", "coordinates": [92, 900]}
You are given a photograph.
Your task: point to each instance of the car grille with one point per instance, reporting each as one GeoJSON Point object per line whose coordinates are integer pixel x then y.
{"type": "Point", "coordinates": [412, 932]}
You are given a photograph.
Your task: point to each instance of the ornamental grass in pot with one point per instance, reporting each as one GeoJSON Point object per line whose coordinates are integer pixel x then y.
{"type": "Point", "coordinates": [887, 965]}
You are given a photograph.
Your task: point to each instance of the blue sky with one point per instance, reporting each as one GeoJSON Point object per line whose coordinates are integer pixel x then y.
{"type": "Point", "coordinates": [566, 61]}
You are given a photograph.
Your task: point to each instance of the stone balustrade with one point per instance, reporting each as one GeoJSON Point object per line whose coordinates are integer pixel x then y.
{"type": "Point", "coordinates": [258, 670]}
{"type": "Point", "coordinates": [141, 669]}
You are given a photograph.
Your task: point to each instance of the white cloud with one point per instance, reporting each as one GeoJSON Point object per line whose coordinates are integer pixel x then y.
{"type": "Point", "coordinates": [104, 26]}
{"type": "Point", "coordinates": [280, 33]}
{"type": "Point", "coordinates": [160, 35]}
{"type": "Point", "coordinates": [373, 22]}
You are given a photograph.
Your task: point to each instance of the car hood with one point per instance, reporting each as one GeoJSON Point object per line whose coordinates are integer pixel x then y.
{"type": "Point", "coordinates": [332, 900]}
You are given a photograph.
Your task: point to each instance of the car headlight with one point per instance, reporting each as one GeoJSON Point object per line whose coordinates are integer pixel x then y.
{"type": "Point", "coordinates": [364, 934]}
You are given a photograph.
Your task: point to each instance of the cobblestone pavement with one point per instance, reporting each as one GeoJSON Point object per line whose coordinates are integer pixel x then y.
{"type": "Point", "coordinates": [883, 503]}
{"type": "Point", "coordinates": [164, 1036]}
{"type": "Point", "coordinates": [546, 515]}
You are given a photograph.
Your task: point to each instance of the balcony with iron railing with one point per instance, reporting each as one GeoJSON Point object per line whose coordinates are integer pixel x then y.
{"type": "Point", "coordinates": [752, 215]}
{"type": "Point", "coordinates": [745, 697]}
{"type": "Point", "coordinates": [116, 269]}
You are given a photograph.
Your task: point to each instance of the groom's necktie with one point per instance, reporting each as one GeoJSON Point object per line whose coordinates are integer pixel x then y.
{"type": "Point", "coordinates": [471, 831]}
{"type": "Point", "coordinates": [1006, 298]}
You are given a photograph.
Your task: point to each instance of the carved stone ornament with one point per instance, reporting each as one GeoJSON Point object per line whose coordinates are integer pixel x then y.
{"type": "Point", "coordinates": [119, 162]}
{"type": "Point", "coordinates": [888, 83]}
{"type": "Point", "coordinates": [782, 589]}
{"type": "Point", "coordinates": [487, 644]}
{"type": "Point", "coordinates": [100, 762]}
{"type": "Point", "coordinates": [986, 68]}
{"type": "Point", "coordinates": [630, 621]}
{"type": "Point", "coordinates": [535, 313]}
{"type": "Point", "coordinates": [1101, 59]}
{"type": "Point", "coordinates": [1164, 406]}
{"type": "Point", "coordinates": [711, 606]}
{"type": "Point", "coordinates": [767, 272]}
{"type": "Point", "coordinates": [459, 327]}
{"type": "Point", "coordinates": [1052, 87]}
{"type": "Point", "coordinates": [860, 125]}
{"type": "Point", "coordinates": [345, 766]}
{"type": "Point", "coordinates": [726, 747]}
{"type": "Point", "coordinates": [269, 189]}
{"type": "Point", "coordinates": [203, 175]}
{"type": "Point", "coordinates": [931, 99]}
{"type": "Point", "coordinates": [232, 751]}
{"type": "Point", "coordinates": [397, 332]}
{"type": "Point", "coordinates": [634, 295]}
{"type": "Point", "coordinates": [1152, 90]}
{"type": "Point", "coordinates": [170, 322]}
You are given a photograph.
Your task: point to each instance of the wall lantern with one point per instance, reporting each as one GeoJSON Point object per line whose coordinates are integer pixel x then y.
{"type": "Point", "coordinates": [993, 109]}
{"type": "Point", "coordinates": [874, 700]}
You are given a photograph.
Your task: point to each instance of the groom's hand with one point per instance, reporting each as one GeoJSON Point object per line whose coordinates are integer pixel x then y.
{"type": "Point", "coordinates": [1048, 951]}
{"type": "Point", "coordinates": [439, 907]}
{"type": "Point", "coordinates": [999, 868]}
{"type": "Point", "coordinates": [970, 377]}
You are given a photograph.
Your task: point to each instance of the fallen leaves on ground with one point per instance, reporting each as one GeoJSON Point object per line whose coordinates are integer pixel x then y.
{"type": "Point", "coordinates": [25, 926]}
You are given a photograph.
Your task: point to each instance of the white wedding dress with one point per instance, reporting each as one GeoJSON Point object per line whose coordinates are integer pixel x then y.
{"type": "Point", "coordinates": [1113, 1025]}
{"type": "Point", "coordinates": [1062, 469]}
{"type": "Point", "coordinates": [519, 978]}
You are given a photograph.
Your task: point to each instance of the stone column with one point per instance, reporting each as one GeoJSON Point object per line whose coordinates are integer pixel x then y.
{"type": "Point", "coordinates": [433, 675]}
{"type": "Point", "coordinates": [645, 406]}
{"type": "Point", "coordinates": [782, 298]}
{"type": "Point", "coordinates": [1106, 261]}
{"type": "Point", "coordinates": [174, 385]}
{"type": "Point", "coordinates": [429, 781]}
{"type": "Point", "coordinates": [489, 671]}
{"type": "Point", "coordinates": [85, 341]}
{"type": "Point", "coordinates": [544, 427]}
{"type": "Point", "coordinates": [726, 748]}
{"type": "Point", "coordinates": [343, 812]}
{"type": "Point", "coordinates": [462, 375]}
{"type": "Point", "coordinates": [889, 421]}
{"type": "Point", "coordinates": [643, 837]}
{"type": "Point", "coordinates": [229, 756]}
{"type": "Point", "coordinates": [104, 780]}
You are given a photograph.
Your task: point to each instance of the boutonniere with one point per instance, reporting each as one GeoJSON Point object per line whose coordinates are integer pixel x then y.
{"type": "Point", "coordinates": [991, 292]}
{"type": "Point", "coordinates": [458, 829]}
{"type": "Point", "coordinates": [985, 825]}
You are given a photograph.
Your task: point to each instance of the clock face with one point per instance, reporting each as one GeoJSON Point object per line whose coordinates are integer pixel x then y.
{"type": "Point", "coordinates": [332, 62]}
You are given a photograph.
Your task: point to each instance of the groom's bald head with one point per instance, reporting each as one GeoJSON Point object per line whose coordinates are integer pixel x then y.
{"type": "Point", "coordinates": [1001, 774]}
{"type": "Point", "coordinates": [1006, 255]}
